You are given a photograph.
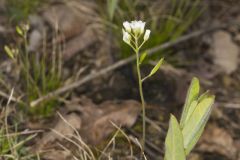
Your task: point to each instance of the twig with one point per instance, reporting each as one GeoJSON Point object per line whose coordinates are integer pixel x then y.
{"type": "Point", "coordinates": [22, 133]}
{"type": "Point", "coordinates": [4, 95]}
{"type": "Point", "coordinates": [123, 62]}
{"type": "Point", "coordinates": [167, 68]}
{"type": "Point", "coordinates": [229, 105]}
{"type": "Point", "coordinates": [11, 98]}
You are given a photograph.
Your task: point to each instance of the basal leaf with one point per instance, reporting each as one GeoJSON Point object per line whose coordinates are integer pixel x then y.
{"type": "Point", "coordinates": [192, 95]}
{"type": "Point", "coordinates": [174, 142]}
{"type": "Point", "coordinates": [196, 122]}
{"type": "Point", "coordinates": [203, 96]}
{"type": "Point", "coordinates": [192, 107]}
{"type": "Point", "coordinates": [194, 140]}
{"type": "Point", "coordinates": [155, 69]}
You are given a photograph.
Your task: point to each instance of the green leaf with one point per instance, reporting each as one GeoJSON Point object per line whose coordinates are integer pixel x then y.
{"type": "Point", "coordinates": [142, 57]}
{"type": "Point", "coordinates": [192, 95]}
{"type": "Point", "coordinates": [196, 123]}
{"type": "Point", "coordinates": [111, 6]}
{"type": "Point", "coordinates": [192, 107]}
{"type": "Point", "coordinates": [195, 140]}
{"type": "Point", "coordinates": [9, 52]}
{"type": "Point", "coordinates": [203, 96]}
{"type": "Point", "coordinates": [19, 31]}
{"type": "Point", "coordinates": [174, 142]}
{"type": "Point", "coordinates": [155, 69]}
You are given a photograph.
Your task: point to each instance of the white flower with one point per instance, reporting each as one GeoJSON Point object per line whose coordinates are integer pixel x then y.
{"type": "Point", "coordinates": [137, 27]}
{"type": "Point", "coordinates": [146, 35]}
{"type": "Point", "coordinates": [134, 29]}
{"type": "Point", "coordinates": [126, 37]}
{"type": "Point", "coordinates": [127, 26]}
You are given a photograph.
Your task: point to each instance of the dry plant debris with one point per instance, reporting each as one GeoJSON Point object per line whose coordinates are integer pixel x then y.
{"type": "Point", "coordinates": [218, 140]}
{"type": "Point", "coordinates": [63, 127]}
{"type": "Point", "coordinates": [93, 122]}
{"type": "Point", "coordinates": [97, 120]}
{"type": "Point", "coordinates": [76, 24]}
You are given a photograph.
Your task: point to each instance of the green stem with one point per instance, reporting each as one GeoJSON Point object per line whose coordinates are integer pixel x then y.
{"type": "Point", "coordinates": [26, 62]}
{"type": "Point", "coordinates": [141, 94]}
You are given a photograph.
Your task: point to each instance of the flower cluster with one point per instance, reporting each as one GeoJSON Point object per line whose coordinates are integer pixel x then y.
{"type": "Point", "coordinates": [134, 30]}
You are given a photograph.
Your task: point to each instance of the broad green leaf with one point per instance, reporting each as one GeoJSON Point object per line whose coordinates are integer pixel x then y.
{"type": "Point", "coordinates": [174, 142]}
{"type": "Point", "coordinates": [111, 6]}
{"type": "Point", "coordinates": [142, 57]}
{"type": "Point", "coordinates": [155, 69]}
{"type": "Point", "coordinates": [192, 107]}
{"type": "Point", "coordinates": [203, 96]}
{"type": "Point", "coordinates": [195, 140]}
{"type": "Point", "coordinates": [9, 52]}
{"type": "Point", "coordinates": [196, 122]}
{"type": "Point", "coordinates": [192, 95]}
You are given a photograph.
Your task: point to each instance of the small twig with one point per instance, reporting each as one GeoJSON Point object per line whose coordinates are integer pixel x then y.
{"type": "Point", "coordinates": [4, 95]}
{"type": "Point", "coordinates": [22, 133]}
{"type": "Point", "coordinates": [229, 105]}
{"type": "Point", "coordinates": [167, 68]}
{"type": "Point", "coordinates": [124, 62]}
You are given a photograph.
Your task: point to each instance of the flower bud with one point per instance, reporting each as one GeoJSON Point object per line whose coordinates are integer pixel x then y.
{"type": "Point", "coordinates": [142, 28]}
{"type": "Point", "coordinates": [127, 26]}
{"type": "Point", "coordinates": [126, 37]}
{"type": "Point", "coordinates": [146, 35]}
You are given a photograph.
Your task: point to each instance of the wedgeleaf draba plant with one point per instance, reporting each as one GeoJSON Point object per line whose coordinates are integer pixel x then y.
{"type": "Point", "coordinates": [181, 138]}
{"type": "Point", "coordinates": [133, 36]}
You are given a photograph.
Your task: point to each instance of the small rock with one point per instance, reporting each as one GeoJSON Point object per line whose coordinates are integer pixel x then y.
{"type": "Point", "coordinates": [225, 52]}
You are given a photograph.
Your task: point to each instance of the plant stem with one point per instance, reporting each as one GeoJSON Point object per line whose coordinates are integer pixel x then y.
{"type": "Point", "coordinates": [26, 62]}
{"type": "Point", "coordinates": [141, 95]}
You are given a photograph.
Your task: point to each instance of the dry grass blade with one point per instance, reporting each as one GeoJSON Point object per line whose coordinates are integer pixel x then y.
{"type": "Point", "coordinates": [113, 139]}
{"type": "Point", "coordinates": [78, 137]}
{"type": "Point", "coordinates": [136, 142]}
